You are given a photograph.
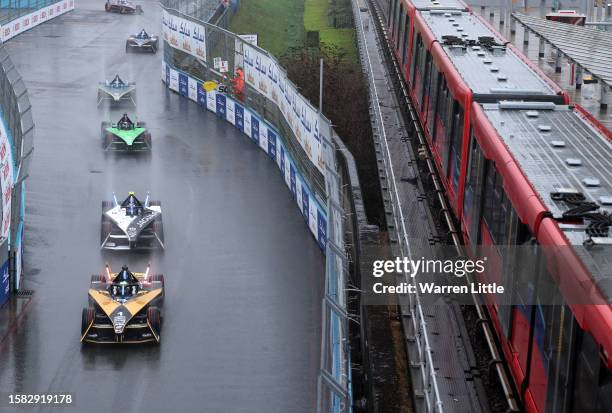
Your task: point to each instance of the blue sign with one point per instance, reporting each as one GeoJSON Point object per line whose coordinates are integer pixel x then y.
{"type": "Point", "coordinates": [4, 282]}
{"type": "Point", "coordinates": [282, 165]}
{"type": "Point", "coordinates": [221, 105]}
{"type": "Point", "coordinates": [305, 203]}
{"type": "Point", "coordinates": [201, 95]}
{"type": "Point", "coordinates": [321, 230]}
{"type": "Point", "coordinates": [292, 179]}
{"type": "Point", "coordinates": [255, 129]}
{"type": "Point", "coordinates": [183, 85]}
{"type": "Point", "coordinates": [272, 144]}
{"type": "Point", "coordinates": [168, 75]}
{"type": "Point", "coordinates": [239, 111]}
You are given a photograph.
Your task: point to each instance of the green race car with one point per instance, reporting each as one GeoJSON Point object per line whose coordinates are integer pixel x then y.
{"type": "Point", "coordinates": [125, 136]}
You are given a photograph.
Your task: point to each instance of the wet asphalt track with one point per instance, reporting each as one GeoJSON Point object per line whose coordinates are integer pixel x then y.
{"type": "Point", "coordinates": [243, 275]}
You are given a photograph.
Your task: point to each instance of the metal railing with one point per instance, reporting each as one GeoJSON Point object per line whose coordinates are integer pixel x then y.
{"type": "Point", "coordinates": [333, 394]}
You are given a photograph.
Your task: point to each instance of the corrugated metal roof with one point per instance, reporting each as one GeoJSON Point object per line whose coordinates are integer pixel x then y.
{"type": "Point", "coordinates": [588, 47]}
{"type": "Point", "coordinates": [487, 69]}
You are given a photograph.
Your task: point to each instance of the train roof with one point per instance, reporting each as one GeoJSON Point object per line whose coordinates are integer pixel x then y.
{"type": "Point", "coordinates": [482, 59]}
{"type": "Point", "coordinates": [568, 161]}
{"type": "Point", "coordinates": [439, 4]}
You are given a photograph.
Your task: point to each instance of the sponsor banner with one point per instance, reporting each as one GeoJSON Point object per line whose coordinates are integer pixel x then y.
{"type": "Point", "coordinates": [23, 23]}
{"type": "Point", "coordinates": [173, 84]}
{"type": "Point", "coordinates": [321, 230]}
{"type": "Point", "coordinates": [184, 35]}
{"type": "Point", "coordinates": [293, 185]}
{"type": "Point", "coordinates": [230, 112]}
{"type": "Point", "coordinates": [4, 282]}
{"type": "Point", "coordinates": [6, 178]}
{"type": "Point", "coordinates": [247, 123]}
{"type": "Point", "coordinates": [255, 128]}
{"type": "Point", "coordinates": [211, 101]}
{"type": "Point", "coordinates": [312, 217]}
{"type": "Point", "coordinates": [271, 144]}
{"type": "Point", "coordinates": [201, 95]}
{"type": "Point", "coordinates": [263, 137]}
{"type": "Point", "coordinates": [239, 117]}
{"type": "Point", "coordinates": [193, 89]}
{"type": "Point", "coordinates": [298, 193]}
{"type": "Point", "coordinates": [305, 203]}
{"type": "Point", "coordinates": [265, 75]}
{"type": "Point", "coordinates": [220, 105]}
{"type": "Point", "coordinates": [183, 85]}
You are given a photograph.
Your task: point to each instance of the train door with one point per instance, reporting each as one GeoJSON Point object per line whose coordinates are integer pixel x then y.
{"type": "Point", "coordinates": [404, 45]}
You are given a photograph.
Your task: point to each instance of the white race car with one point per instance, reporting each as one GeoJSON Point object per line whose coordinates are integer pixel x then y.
{"type": "Point", "coordinates": [131, 224]}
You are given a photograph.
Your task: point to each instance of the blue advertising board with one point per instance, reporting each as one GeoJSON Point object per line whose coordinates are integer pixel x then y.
{"type": "Point", "coordinates": [271, 144]}
{"type": "Point", "coordinates": [239, 110]}
{"type": "Point", "coordinates": [292, 178]}
{"type": "Point", "coordinates": [220, 99]}
{"type": "Point", "coordinates": [255, 129]}
{"type": "Point", "coordinates": [183, 85]}
{"type": "Point", "coordinates": [4, 282]}
{"type": "Point", "coordinates": [201, 95]}
{"type": "Point", "coordinates": [305, 203]}
{"type": "Point", "coordinates": [321, 230]}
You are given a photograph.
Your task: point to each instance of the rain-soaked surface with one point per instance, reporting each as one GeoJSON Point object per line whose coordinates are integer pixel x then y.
{"type": "Point", "coordinates": [243, 275]}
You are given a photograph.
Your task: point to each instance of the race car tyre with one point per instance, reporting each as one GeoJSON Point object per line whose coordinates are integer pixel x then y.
{"type": "Point", "coordinates": [154, 319]}
{"type": "Point", "coordinates": [159, 278]}
{"type": "Point", "coordinates": [87, 318]}
{"type": "Point", "coordinates": [98, 279]}
{"type": "Point", "coordinates": [147, 139]}
{"type": "Point", "coordinates": [106, 205]}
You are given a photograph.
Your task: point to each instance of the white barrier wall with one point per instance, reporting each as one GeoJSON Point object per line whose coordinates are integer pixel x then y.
{"type": "Point", "coordinates": [262, 134]}
{"type": "Point", "coordinates": [26, 22]}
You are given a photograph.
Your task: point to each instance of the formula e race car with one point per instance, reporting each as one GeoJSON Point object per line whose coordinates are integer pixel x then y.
{"type": "Point", "coordinates": [116, 91]}
{"type": "Point", "coordinates": [142, 41]}
{"type": "Point", "coordinates": [125, 136]}
{"type": "Point", "coordinates": [123, 308]}
{"type": "Point", "coordinates": [131, 224]}
{"type": "Point", "coordinates": [122, 6]}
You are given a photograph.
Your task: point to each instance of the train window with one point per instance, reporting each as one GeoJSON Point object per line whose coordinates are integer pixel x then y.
{"type": "Point", "coordinates": [417, 44]}
{"type": "Point", "coordinates": [496, 205]}
{"type": "Point", "coordinates": [392, 6]}
{"type": "Point", "coordinates": [435, 80]}
{"type": "Point", "coordinates": [473, 189]}
{"type": "Point", "coordinates": [401, 27]}
{"type": "Point", "coordinates": [588, 383]}
{"type": "Point", "coordinates": [442, 103]}
{"type": "Point", "coordinates": [396, 22]}
{"type": "Point", "coordinates": [456, 142]}
{"type": "Point", "coordinates": [425, 84]}
{"type": "Point", "coordinates": [405, 38]}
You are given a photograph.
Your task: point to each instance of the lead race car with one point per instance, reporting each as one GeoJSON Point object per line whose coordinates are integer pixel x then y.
{"type": "Point", "coordinates": [131, 224]}
{"type": "Point", "coordinates": [122, 6]}
{"type": "Point", "coordinates": [116, 91]}
{"type": "Point", "coordinates": [123, 308]}
{"type": "Point", "coordinates": [125, 136]}
{"type": "Point", "coordinates": [142, 41]}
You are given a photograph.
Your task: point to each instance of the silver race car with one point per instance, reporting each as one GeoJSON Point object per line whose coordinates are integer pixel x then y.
{"type": "Point", "coordinates": [142, 41]}
{"type": "Point", "coordinates": [116, 91]}
{"type": "Point", "coordinates": [131, 224]}
{"type": "Point", "coordinates": [122, 6]}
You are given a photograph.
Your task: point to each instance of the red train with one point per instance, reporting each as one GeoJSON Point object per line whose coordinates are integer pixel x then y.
{"type": "Point", "coordinates": [521, 167]}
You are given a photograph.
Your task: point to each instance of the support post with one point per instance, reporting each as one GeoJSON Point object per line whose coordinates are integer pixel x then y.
{"type": "Point", "coordinates": [558, 61]}
{"type": "Point", "coordinates": [512, 25]}
{"type": "Point", "coordinates": [578, 75]}
{"type": "Point", "coordinates": [321, 86]}
{"type": "Point", "coordinates": [526, 36]}
{"type": "Point", "coordinates": [542, 48]}
{"type": "Point", "coordinates": [603, 93]}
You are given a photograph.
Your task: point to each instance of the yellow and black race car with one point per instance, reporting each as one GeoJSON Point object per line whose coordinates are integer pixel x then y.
{"type": "Point", "coordinates": [123, 308]}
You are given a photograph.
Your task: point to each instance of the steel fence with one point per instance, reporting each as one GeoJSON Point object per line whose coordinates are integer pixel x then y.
{"type": "Point", "coordinates": [333, 383]}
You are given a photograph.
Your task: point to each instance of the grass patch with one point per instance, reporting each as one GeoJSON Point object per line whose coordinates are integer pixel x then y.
{"type": "Point", "coordinates": [279, 23]}
{"type": "Point", "coordinates": [316, 19]}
